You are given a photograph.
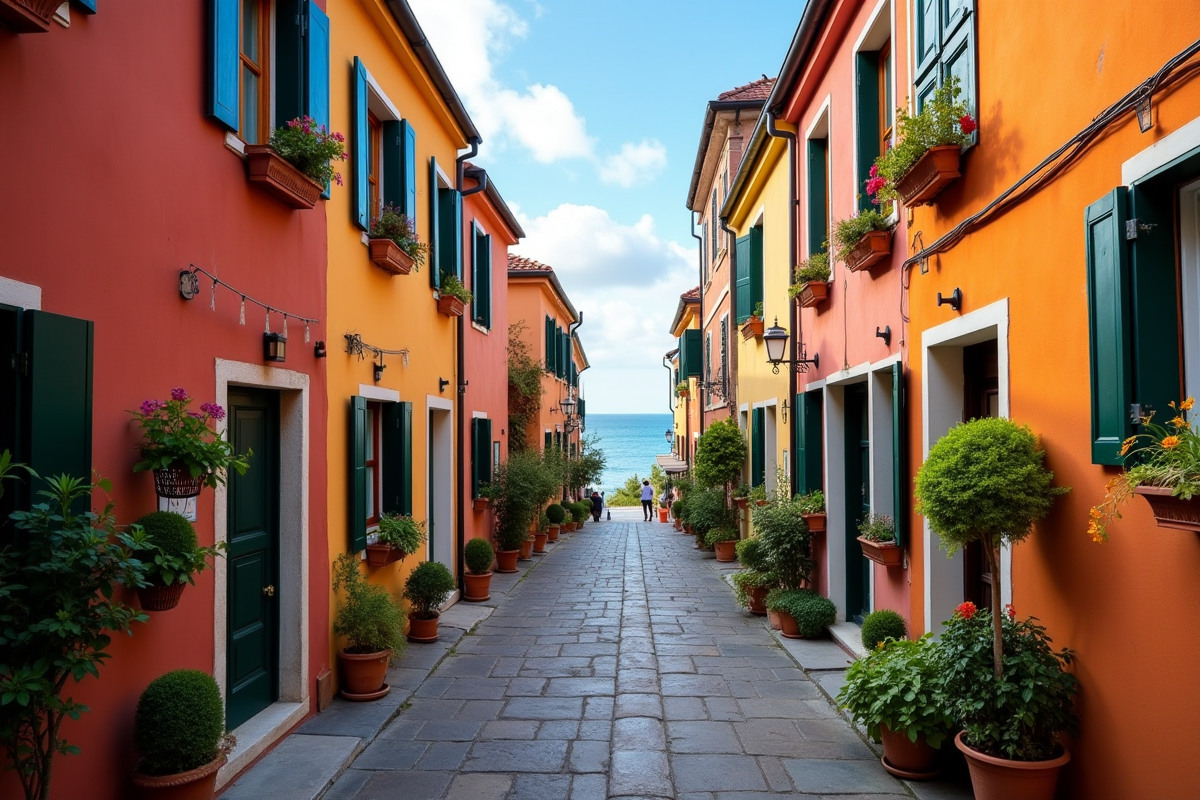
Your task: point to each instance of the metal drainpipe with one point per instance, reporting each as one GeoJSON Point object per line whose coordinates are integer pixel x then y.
{"type": "Point", "coordinates": [703, 391]}
{"type": "Point", "coordinates": [480, 176]}
{"type": "Point", "coordinates": [461, 360]}
{"type": "Point", "coordinates": [793, 310]}
{"type": "Point", "coordinates": [731, 382]}
{"type": "Point", "coordinates": [461, 160]}
{"type": "Point", "coordinates": [670, 389]}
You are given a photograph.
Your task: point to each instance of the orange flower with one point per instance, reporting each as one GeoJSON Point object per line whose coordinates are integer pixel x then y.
{"type": "Point", "coordinates": [1095, 513]}
{"type": "Point", "coordinates": [1186, 405]}
{"type": "Point", "coordinates": [1170, 442]}
{"type": "Point", "coordinates": [1179, 422]}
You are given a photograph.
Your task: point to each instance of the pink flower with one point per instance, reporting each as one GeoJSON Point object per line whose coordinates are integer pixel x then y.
{"type": "Point", "coordinates": [967, 124]}
{"type": "Point", "coordinates": [150, 406]}
{"type": "Point", "coordinates": [178, 393]}
{"type": "Point", "coordinates": [874, 173]}
{"type": "Point", "coordinates": [875, 184]}
{"type": "Point", "coordinates": [337, 178]}
{"type": "Point", "coordinates": [213, 410]}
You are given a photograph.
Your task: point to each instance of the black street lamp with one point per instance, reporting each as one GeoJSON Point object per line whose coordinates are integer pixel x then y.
{"type": "Point", "coordinates": [776, 338]}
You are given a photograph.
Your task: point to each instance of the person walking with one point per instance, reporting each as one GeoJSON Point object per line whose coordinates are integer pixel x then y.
{"type": "Point", "coordinates": [597, 505]}
{"type": "Point", "coordinates": [647, 501]}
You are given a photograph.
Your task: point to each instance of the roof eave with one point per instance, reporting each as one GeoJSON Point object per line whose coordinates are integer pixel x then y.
{"type": "Point", "coordinates": [554, 283]}
{"type": "Point", "coordinates": [710, 120]}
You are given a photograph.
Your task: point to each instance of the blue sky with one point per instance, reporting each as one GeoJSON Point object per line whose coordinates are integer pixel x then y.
{"type": "Point", "coordinates": [591, 114]}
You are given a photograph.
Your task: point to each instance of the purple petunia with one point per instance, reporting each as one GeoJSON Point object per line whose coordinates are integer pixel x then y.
{"type": "Point", "coordinates": [179, 393]}
{"type": "Point", "coordinates": [150, 406]}
{"type": "Point", "coordinates": [213, 410]}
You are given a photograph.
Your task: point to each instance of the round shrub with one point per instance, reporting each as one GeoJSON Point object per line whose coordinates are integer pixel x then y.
{"type": "Point", "coordinates": [753, 555]}
{"type": "Point", "coordinates": [556, 513]}
{"type": "Point", "coordinates": [706, 510]}
{"type": "Point", "coordinates": [427, 588]}
{"type": "Point", "coordinates": [881, 625]}
{"type": "Point", "coordinates": [478, 555]}
{"type": "Point", "coordinates": [787, 543]}
{"type": "Point", "coordinates": [179, 722]}
{"type": "Point", "coordinates": [170, 532]}
{"type": "Point", "coordinates": [720, 454]}
{"type": "Point", "coordinates": [579, 511]}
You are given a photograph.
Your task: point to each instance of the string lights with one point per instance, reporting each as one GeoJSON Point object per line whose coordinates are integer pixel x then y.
{"type": "Point", "coordinates": [189, 287]}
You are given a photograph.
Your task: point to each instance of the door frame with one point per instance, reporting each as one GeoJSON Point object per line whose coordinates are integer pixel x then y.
{"type": "Point", "coordinates": [439, 488]}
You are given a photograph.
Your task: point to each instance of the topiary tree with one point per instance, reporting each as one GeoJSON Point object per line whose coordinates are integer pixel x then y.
{"type": "Point", "coordinates": [881, 625]}
{"type": "Point", "coordinates": [170, 532]}
{"type": "Point", "coordinates": [427, 588]}
{"type": "Point", "coordinates": [984, 482]}
{"type": "Point", "coordinates": [478, 555]}
{"type": "Point", "coordinates": [179, 723]}
{"type": "Point", "coordinates": [556, 513]}
{"type": "Point", "coordinates": [720, 454]}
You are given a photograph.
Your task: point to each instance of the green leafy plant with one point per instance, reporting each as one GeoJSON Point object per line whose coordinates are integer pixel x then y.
{"type": "Point", "coordinates": [849, 232]}
{"type": "Point", "coordinates": [451, 286]}
{"type": "Point", "coordinates": [752, 555]}
{"type": "Point", "coordinates": [587, 468]}
{"type": "Point", "coordinates": [720, 454]}
{"type": "Point", "coordinates": [556, 513]}
{"type": "Point", "coordinates": [707, 510]}
{"type": "Point", "coordinates": [402, 532]}
{"type": "Point", "coordinates": [757, 313]}
{"type": "Point", "coordinates": [812, 612]}
{"type": "Point", "coordinates": [516, 487]}
{"type": "Point", "coordinates": [897, 685]}
{"type": "Point", "coordinates": [682, 390]}
{"type": "Point", "coordinates": [57, 617]}
{"type": "Point", "coordinates": [814, 269]}
{"type": "Point", "coordinates": [721, 534]}
{"type": "Point", "coordinates": [179, 724]}
{"type": "Point", "coordinates": [166, 544]}
{"type": "Point", "coordinates": [758, 494]}
{"type": "Point", "coordinates": [747, 579]}
{"type": "Point", "coordinates": [1017, 713]}
{"type": "Point", "coordinates": [524, 388]}
{"type": "Point", "coordinates": [392, 224]}
{"type": "Point", "coordinates": [786, 542]}
{"type": "Point", "coordinates": [579, 511]}
{"type": "Point", "coordinates": [308, 147]}
{"type": "Point", "coordinates": [811, 503]}
{"type": "Point", "coordinates": [543, 523]}
{"type": "Point", "coordinates": [368, 616]}
{"type": "Point", "coordinates": [677, 510]}
{"type": "Point", "coordinates": [879, 528]}
{"type": "Point", "coordinates": [478, 556]}
{"type": "Point", "coordinates": [742, 491]}
{"type": "Point", "coordinates": [878, 626]}
{"type": "Point", "coordinates": [427, 588]}
{"type": "Point", "coordinates": [984, 482]}
{"type": "Point", "coordinates": [176, 437]}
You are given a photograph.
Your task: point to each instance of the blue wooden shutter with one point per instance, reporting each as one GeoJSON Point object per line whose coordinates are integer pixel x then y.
{"type": "Point", "coordinates": [900, 480]}
{"type": "Point", "coordinates": [360, 149]}
{"type": "Point", "coordinates": [316, 63]}
{"type": "Point", "coordinates": [408, 161]}
{"type": "Point", "coordinates": [756, 267]}
{"type": "Point", "coordinates": [741, 257]}
{"type": "Point", "coordinates": [357, 524]}
{"type": "Point", "coordinates": [758, 447]}
{"type": "Point", "coordinates": [435, 239]}
{"type": "Point", "coordinates": [224, 62]}
{"type": "Point", "coordinates": [1109, 326]}
{"type": "Point", "coordinates": [57, 394]}
{"type": "Point", "coordinates": [393, 164]}
{"type": "Point", "coordinates": [86, 6]}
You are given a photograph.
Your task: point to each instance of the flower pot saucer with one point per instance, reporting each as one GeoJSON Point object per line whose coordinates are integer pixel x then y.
{"type": "Point", "coordinates": [478, 599]}
{"type": "Point", "coordinates": [422, 639]}
{"type": "Point", "coordinates": [905, 775]}
{"type": "Point", "coordinates": [362, 698]}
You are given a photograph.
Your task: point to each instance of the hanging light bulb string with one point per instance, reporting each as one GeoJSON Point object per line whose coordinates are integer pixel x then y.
{"type": "Point", "coordinates": [245, 298]}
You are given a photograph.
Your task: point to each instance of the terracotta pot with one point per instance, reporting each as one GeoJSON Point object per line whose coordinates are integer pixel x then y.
{"type": "Point", "coordinates": [816, 522]}
{"type": "Point", "coordinates": [874, 247]}
{"type": "Point", "coordinates": [506, 560]}
{"type": "Point", "coordinates": [552, 533]}
{"type": "Point", "coordinates": [1000, 779]}
{"type": "Point", "coordinates": [904, 758]}
{"type": "Point", "coordinates": [480, 503]}
{"type": "Point", "coordinates": [160, 598]}
{"type": "Point", "coordinates": [363, 674]}
{"type": "Point", "coordinates": [539, 542]}
{"type": "Point", "coordinates": [1170, 511]}
{"type": "Point", "coordinates": [741, 502]}
{"type": "Point", "coordinates": [477, 588]}
{"type": "Point", "coordinates": [388, 256]}
{"type": "Point", "coordinates": [177, 483]}
{"type": "Point", "coordinates": [267, 170]}
{"type": "Point", "coordinates": [526, 550]}
{"type": "Point", "coordinates": [760, 503]}
{"type": "Point", "coordinates": [450, 306]}
{"type": "Point", "coordinates": [752, 329]}
{"type": "Point", "coordinates": [422, 631]}
{"type": "Point", "coordinates": [758, 600]}
{"type": "Point", "coordinates": [888, 554]}
{"type": "Point", "coordinates": [726, 551]}
{"type": "Point", "coordinates": [788, 627]}
{"type": "Point", "coordinates": [774, 620]}
{"type": "Point", "coordinates": [813, 293]}
{"type": "Point", "coordinates": [678, 525]}
{"type": "Point", "coordinates": [933, 172]}
{"type": "Point", "coordinates": [196, 784]}
{"type": "Point", "coordinates": [28, 16]}
{"type": "Point", "coordinates": [379, 555]}
{"type": "Point", "coordinates": [662, 515]}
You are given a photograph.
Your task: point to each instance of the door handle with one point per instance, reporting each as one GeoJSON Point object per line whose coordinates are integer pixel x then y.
{"type": "Point", "coordinates": [269, 591]}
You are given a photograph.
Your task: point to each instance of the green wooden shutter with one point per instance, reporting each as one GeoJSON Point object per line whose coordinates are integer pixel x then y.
{"type": "Point", "coordinates": [357, 523]}
{"type": "Point", "coordinates": [435, 238]}
{"type": "Point", "coordinates": [866, 75]}
{"type": "Point", "coordinates": [758, 446]}
{"type": "Point", "coordinates": [741, 258]}
{"type": "Point", "coordinates": [486, 283]}
{"type": "Point", "coordinates": [393, 164]}
{"type": "Point", "coordinates": [289, 63]}
{"type": "Point", "coordinates": [756, 267]}
{"type": "Point", "coordinates": [818, 194]}
{"type": "Point", "coordinates": [1109, 326]}
{"type": "Point", "coordinates": [360, 148]}
{"type": "Point", "coordinates": [224, 62]}
{"type": "Point", "coordinates": [549, 439]}
{"type": "Point", "coordinates": [57, 395]}
{"type": "Point", "coordinates": [397, 458]}
{"type": "Point", "coordinates": [451, 233]}
{"type": "Point", "coordinates": [481, 454]}
{"type": "Point", "coordinates": [900, 480]}
{"type": "Point", "coordinates": [481, 277]}
{"type": "Point", "coordinates": [476, 299]}
{"type": "Point", "coordinates": [809, 457]}
{"type": "Point", "coordinates": [691, 354]}
{"type": "Point", "coordinates": [408, 161]}
{"type": "Point", "coordinates": [582, 410]}
{"type": "Point", "coordinates": [926, 34]}
{"type": "Point", "coordinates": [549, 331]}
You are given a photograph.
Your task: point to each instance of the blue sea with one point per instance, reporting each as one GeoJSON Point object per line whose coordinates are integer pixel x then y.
{"type": "Point", "coordinates": [630, 442]}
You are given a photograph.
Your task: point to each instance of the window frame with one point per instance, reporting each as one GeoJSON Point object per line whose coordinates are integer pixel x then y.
{"type": "Point", "coordinates": [374, 165]}
{"type": "Point", "coordinates": [887, 112]}
{"type": "Point", "coordinates": [262, 71]}
{"type": "Point", "coordinates": [954, 37]}
{"type": "Point", "coordinates": [374, 464]}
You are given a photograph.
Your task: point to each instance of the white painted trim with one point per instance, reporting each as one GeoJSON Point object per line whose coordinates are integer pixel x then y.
{"type": "Point", "coordinates": [758, 220]}
{"type": "Point", "coordinates": [716, 306]}
{"type": "Point", "coordinates": [21, 295]}
{"type": "Point", "coordinates": [443, 178]}
{"type": "Point", "coordinates": [479, 415]}
{"type": "Point", "coordinates": [869, 28]}
{"type": "Point", "coordinates": [854, 374]}
{"type": "Point", "coordinates": [813, 386]}
{"type": "Point", "coordinates": [235, 143]}
{"type": "Point", "coordinates": [382, 97]}
{"type": "Point", "coordinates": [744, 408]}
{"type": "Point", "coordinates": [869, 31]}
{"type": "Point", "coordinates": [378, 393]}
{"type": "Point", "coordinates": [1162, 152]}
{"type": "Point", "coordinates": [439, 477]}
{"type": "Point", "coordinates": [774, 401]}
{"type": "Point", "coordinates": [1189, 257]}
{"type": "Point", "coordinates": [433, 401]}
{"type": "Point", "coordinates": [822, 114]}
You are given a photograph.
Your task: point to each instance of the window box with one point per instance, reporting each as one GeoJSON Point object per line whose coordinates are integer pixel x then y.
{"type": "Point", "coordinates": [887, 554]}
{"type": "Point", "coordinates": [177, 483]}
{"type": "Point", "coordinates": [813, 294]}
{"type": "Point", "coordinates": [1170, 511]}
{"type": "Point", "coordinates": [388, 256]}
{"type": "Point", "coordinates": [380, 555]}
{"type": "Point", "coordinates": [874, 247]}
{"type": "Point", "coordinates": [932, 173]}
{"type": "Point", "coordinates": [481, 503]}
{"type": "Point", "coordinates": [752, 329]}
{"type": "Point", "coordinates": [28, 16]}
{"type": "Point", "coordinates": [815, 522]}
{"type": "Point", "coordinates": [450, 306]}
{"type": "Point", "coordinates": [267, 169]}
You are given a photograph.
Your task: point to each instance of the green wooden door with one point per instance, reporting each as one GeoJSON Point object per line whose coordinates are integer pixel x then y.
{"type": "Point", "coordinates": [858, 501]}
{"type": "Point", "coordinates": [253, 591]}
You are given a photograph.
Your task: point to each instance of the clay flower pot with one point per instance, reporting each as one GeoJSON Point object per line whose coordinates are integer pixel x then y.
{"type": "Point", "coordinates": [506, 560]}
{"type": "Point", "coordinates": [477, 588]}
{"type": "Point", "coordinates": [388, 256]}
{"type": "Point", "coordinates": [1000, 779]}
{"type": "Point", "coordinates": [726, 551]}
{"type": "Point", "coordinates": [421, 630]}
{"type": "Point", "coordinates": [1170, 511]}
{"type": "Point", "coordinates": [28, 16]}
{"type": "Point", "coordinates": [196, 784]}
{"type": "Point", "coordinates": [888, 554]}
{"type": "Point", "coordinates": [269, 171]}
{"type": "Point", "coordinates": [450, 306]}
{"type": "Point", "coordinates": [379, 555]}
{"type": "Point", "coordinates": [872, 248]}
{"type": "Point", "coordinates": [932, 173]}
{"type": "Point", "coordinates": [788, 627]}
{"type": "Point", "coordinates": [774, 620]}
{"type": "Point", "coordinates": [539, 542]}
{"type": "Point", "coordinates": [480, 503]}
{"type": "Point", "coordinates": [160, 598]}
{"type": "Point", "coordinates": [813, 293]}
{"type": "Point", "coordinates": [752, 329]}
{"type": "Point", "coordinates": [678, 524]}
{"type": "Point", "coordinates": [904, 758]}
{"type": "Point", "coordinates": [816, 522]}
{"type": "Point", "coordinates": [552, 533]}
{"type": "Point", "coordinates": [363, 674]}
{"type": "Point", "coordinates": [758, 600]}
{"type": "Point", "coordinates": [741, 501]}
{"type": "Point", "coordinates": [526, 550]}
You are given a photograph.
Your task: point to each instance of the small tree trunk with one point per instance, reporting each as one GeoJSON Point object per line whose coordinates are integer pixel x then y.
{"type": "Point", "coordinates": [993, 557]}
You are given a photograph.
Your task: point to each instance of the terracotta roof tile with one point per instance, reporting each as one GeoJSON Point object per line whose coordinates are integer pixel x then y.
{"type": "Point", "coordinates": [756, 90]}
{"type": "Point", "coordinates": [691, 295]}
{"type": "Point", "coordinates": [518, 262]}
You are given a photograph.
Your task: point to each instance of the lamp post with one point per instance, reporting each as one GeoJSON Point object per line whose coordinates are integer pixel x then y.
{"type": "Point", "coordinates": [776, 338]}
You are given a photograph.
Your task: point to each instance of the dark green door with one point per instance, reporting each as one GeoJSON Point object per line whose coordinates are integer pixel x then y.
{"type": "Point", "coordinates": [858, 500]}
{"type": "Point", "coordinates": [252, 655]}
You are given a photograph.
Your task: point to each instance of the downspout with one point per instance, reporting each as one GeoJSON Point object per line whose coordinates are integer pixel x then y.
{"type": "Point", "coordinates": [700, 276]}
{"type": "Point", "coordinates": [793, 309]}
{"type": "Point", "coordinates": [670, 389]}
{"type": "Point", "coordinates": [461, 160]}
{"type": "Point", "coordinates": [477, 174]}
{"type": "Point", "coordinates": [461, 361]}
{"type": "Point", "coordinates": [731, 383]}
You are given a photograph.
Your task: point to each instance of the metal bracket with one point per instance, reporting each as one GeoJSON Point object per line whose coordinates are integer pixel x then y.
{"type": "Point", "coordinates": [954, 300]}
{"type": "Point", "coordinates": [1134, 227]}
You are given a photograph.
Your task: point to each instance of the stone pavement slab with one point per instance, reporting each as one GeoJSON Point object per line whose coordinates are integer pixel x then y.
{"type": "Point", "coordinates": [298, 769]}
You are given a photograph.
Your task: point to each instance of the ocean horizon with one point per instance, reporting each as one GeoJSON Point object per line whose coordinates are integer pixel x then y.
{"type": "Point", "coordinates": [629, 442]}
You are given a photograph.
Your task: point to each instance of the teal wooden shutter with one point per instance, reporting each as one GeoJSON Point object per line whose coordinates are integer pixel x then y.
{"type": "Point", "coordinates": [866, 75]}
{"type": "Point", "coordinates": [316, 63]}
{"type": "Point", "coordinates": [481, 455]}
{"type": "Point", "coordinates": [357, 524]}
{"type": "Point", "coordinates": [1108, 326]}
{"type": "Point", "coordinates": [691, 354]}
{"type": "Point", "coordinates": [396, 451]}
{"type": "Point", "coordinates": [756, 267]}
{"type": "Point", "coordinates": [408, 158]}
{"type": "Point", "coordinates": [58, 394]}
{"type": "Point", "coordinates": [450, 233]}
{"type": "Point", "coordinates": [435, 239]}
{"type": "Point", "coordinates": [475, 435]}
{"type": "Point", "coordinates": [582, 411]}
{"type": "Point", "coordinates": [485, 272]}
{"type": "Point", "coordinates": [549, 440]}
{"type": "Point", "coordinates": [224, 62]}
{"type": "Point", "coordinates": [741, 257]}
{"type": "Point", "coordinates": [393, 164]}
{"type": "Point", "coordinates": [758, 446]}
{"type": "Point", "coordinates": [900, 480]}
{"type": "Point", "coordinates": [86, 6]}
{"type": "Point", "coordinates": [926, 34]}
{"type": "Point", "coordinates": [406, 458]}
{"type": "Point", "coordinates": [818, 195]}
{"type": "Point", "coordinates": [289, 62]}
{"type": "Point", "coordinates": [809, 456]}
{"type": "Point", "coordinates": [549, 331]}
{"type": "Point", "coordinates": [360, 212]}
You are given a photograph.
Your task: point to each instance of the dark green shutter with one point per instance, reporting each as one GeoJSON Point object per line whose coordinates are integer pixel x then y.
{"type": "Point", "coordinates": [809, 456]}
{"type": "Point", "coordinates": [290, 63]}
{"type": "Point", "coordinates": [582, 410]}
{"type": "Point", "coordinates": [549, 439]}
{"type": "Point", "coordinates": [866, 68]}
{"type": "Point", "coordinates": [408, 160]}
{"type": "Point", "coordinates": [435, 239]}
{"type": "Point", "coordinates": [393, 165]}
{"type": "Point", "coordinates": [691, 354]}
{"type": "Point", "coordinates": [758, 446]}
{"type": "Point", "coordinates": [818, 194]}
{"type": "Point", "coordinates": [224, 62]}
{"type": "Point", "coordinates": [360, 149]}
{"type": "Point", "coordinates": [756, 267]}
{"type": "Point", "coordinates": [397, 458]}
{"type": "Point", "coordinates": [487, 280]}
{"type": "Point", "coordinates": [481, 454]}
{"type": "Point", "coordinates": [741, 257]}
{"type": "Point", "coordinates": [1109, 326]}
{"type": "Point", "coordinates": [357, 523]}
{"type": "Point", "coordinates": [451, 233]}
{"type": "Point", "coordinates": [549, 331]}
{"type": "Point", "coordinates": [57, 395]}
{"type": "Point", "coordinates": [900, 481]}
{"type": "Point", "coordinates": [481, 277]}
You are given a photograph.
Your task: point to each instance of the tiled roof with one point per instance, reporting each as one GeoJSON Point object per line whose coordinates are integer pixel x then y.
{"type": "Point", "coordinates": [757, 90]}
{"type": "Point", "coordinates": [691, 295]}
{"type": "Point", "coordinates": [516, 262]}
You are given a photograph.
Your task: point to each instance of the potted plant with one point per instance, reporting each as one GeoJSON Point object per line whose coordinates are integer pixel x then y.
{"type": "Point", "coordinates": [426, 590]}
{"type": "Point", "coordinates": [803, 614]}
{"type": "Point", "coordinates": [1165, 471]}
{"type": "Point", "coordinates": [926, 157]}
{"type": "Point", "coordinates": [179, 730]}
{"type": "Point", "coordinates": [294, 165]}
{"type": "Point", "coordinates": [812, 280]}
{"type": "Point", "coordinates": [478, 556]}
{"type": "Point", "coordinates": [682, 390]}
{"type": "Point", "coordinates": [579, 512]}
{"type": "Point", "coordinates": [881, 625]}
{"type": "Point", "coordinates": [758, 495]}
{"type": "Point", "coordinates": [812, 508]}
{"type": "Point", "coordinates": [863, 240]}
{"type": "Point", "coordinates": [741, 495]}
{"type": "Point", "coordinates": [877, 537]}
{"type": "Point", "coordinates": [786, 544]}
{"type": "Point", "coordinates": [723, 540]}
{"type": "Point", "coordinates": [541, 534]}
{"type": "Point", "coordinates": [1011, 721]}
{"type": "Point", "coordinates": [166, 544]}
{"type": "Point", "coordinates": [750, 585]}
{"type": "Point", "coordinates": [895, 690]}
{"type": "Point", "coordinates": [453, 297]}
{"type": "Point", "coordinates": [752, 328]}
{"type": "Point", "coordinates": [181, 448]}
{"type": "Point", "coordinates": [373, 625]}
{"type": "Point", "coordinates": [398, 536]}
{"type": "Point", "coordinates": [707, 511]}
{"type": "Point", "coordinates": [556, 514]}
{"type": "Point", "coordinates": [515, 487]}
{"type": "Point", "coordinates": [677, 509]}
{"type": "Point", "coordinates": [393, 243]}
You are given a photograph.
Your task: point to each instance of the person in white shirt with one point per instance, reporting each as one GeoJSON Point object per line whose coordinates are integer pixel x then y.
{"type": "Point", "coordinates": [647, 501]}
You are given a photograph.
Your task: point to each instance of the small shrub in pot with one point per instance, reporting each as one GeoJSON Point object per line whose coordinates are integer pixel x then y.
{"type": "Point", "coordinates": [478, 555]}
{"type": "Point", "coordinates": [166, 544]}
{"type": "Point", "coordinates": [878, 626]}
{"type": "Point", "coordinates": [811, 612]}
{"type": "Point", "coordinates": [427, 588]}
{"type": "Point", "coordinates": [556, 513]}
{"type": "Point", "coordinates": [179, 730]}
{"type": "Point", "coordinates": [368, 616]}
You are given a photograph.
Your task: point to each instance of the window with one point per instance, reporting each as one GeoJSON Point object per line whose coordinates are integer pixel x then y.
{"type": "Point", "coordinates": [809, 433]}
{"type": "Point", "coordinates": [481, 276]}
{"type": "Point", "coordinates": [887, 108]}
{"type": "Point", "coordinates": [758, 447]}
{"type": "Point", "coordinates": [708, 356]}
{"type": "Point", "coordinates": [749, 259]}
{"type": "Point", "coordinates": [383, 149]}
{"type": "Point", "coordinates": [944, 45]}
{"type": "Point", "coordinates": [818, 194]}
{"type": "Point", "coordinates": [874, 103]}
{"type": "Point", "coordinates": [725, 353]}
{"type": "Point", "coordinates": [374, 159]}
{"type": "Point", "coordinates": [445, 234]}
{"type": "Point", "coordinates": [254, 84]}
{"type": "Point", "coordinates": [482, 455]}
{"type": "Point", "coordinates": [371, 462]}
{"type": "Point", "coordinates": [380, 456]}
{"type": "Point", "coordinates": [551, 347]}
{"type": "Point", "coordinates": [690, 356]}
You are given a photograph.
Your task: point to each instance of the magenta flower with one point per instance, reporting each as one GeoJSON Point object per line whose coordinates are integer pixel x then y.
{"type": "Point", "coordinates": [150, 406]}
{"type": "Point", "coordinates": [179, 393]}
{"type": "Point", "coordinates": [213, 410]}
{"type": "Point", "coordinates": [874, 173]}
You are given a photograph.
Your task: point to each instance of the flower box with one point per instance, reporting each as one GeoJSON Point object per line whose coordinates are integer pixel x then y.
{"type": "Point", "coordinates": [815, 522]}
{"type": "Point", "coordinates": [813, 293]}
{"type": "Point", "coordinates": [887, 554]}
{"type": "Point", "coordinates": [177, 483]}
{"type": "Point", "coordinates": [932, 173]}
{"type": "Point", "coordinates": [481, 503]}
{"type": "Point", "coordinates": [28, 16]}
{"type": "Point", "coordinates": [741, 501]}
{"type": "Point", "coordinates": [1170, 511]}
{"type": "Point", "coordinates": [450, 306]}
{"type": "Point", "coordinates": [266, 169]}
{"type": "Point", "coordinates": [874, 247]}
{"type": "Point", "coordinates": [380, 555]}
{"type": "Point", "coordinates": [388, 256]}
{"type": "Point", "coordinates": [752, 329]}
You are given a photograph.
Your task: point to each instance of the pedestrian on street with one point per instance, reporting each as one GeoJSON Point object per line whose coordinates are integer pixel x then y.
{"type": "Point", "coordinates": [647, 501]}
{"type": "Point", "coordinates": [597, 505]}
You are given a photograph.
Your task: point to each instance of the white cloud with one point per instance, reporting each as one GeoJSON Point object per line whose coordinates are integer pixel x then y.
{"type": "Point", "coordinates": [636, 163]}
{"type": "Point", "coordinates": [545, 122]}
